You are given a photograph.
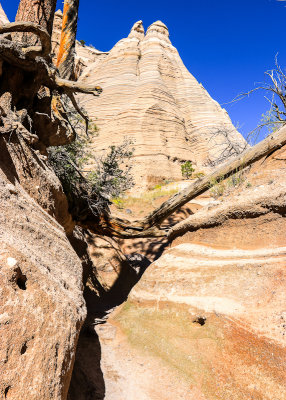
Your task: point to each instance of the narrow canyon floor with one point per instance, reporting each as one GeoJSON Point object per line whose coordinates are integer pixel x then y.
{"type": "Point", "coordinates": [132, 370]}
{"type": "Point", "coordinates": [207, 319]}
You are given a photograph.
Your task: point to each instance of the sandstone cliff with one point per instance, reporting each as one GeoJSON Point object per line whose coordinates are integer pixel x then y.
{"type": "Point", "coordinates": [150, 97]}
{"type": "Point", "coordinates": [42, 306]}
{"type": "Point", "coordinates": [209, 314]}
{"type": "Point", "coordinates": [3, 16]}
{"type": "Point", "coordinates": [207, 320]}
{"type": "Point", "coordinates": [41, 276]}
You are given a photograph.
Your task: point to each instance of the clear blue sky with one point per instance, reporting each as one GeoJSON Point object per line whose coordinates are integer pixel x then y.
{"type": "Point", "coordinates": [225, 44]}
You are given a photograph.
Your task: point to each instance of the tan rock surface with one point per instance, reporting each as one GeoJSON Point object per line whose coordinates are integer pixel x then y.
{"type": "Point", "coordinates": [3, 16]}
{"type": "Point", "coordinates": [150, 96]}
{"type": "Point", "coordinates": [42, 306]}
{"type": "Point", "coordinates": [212, 307]}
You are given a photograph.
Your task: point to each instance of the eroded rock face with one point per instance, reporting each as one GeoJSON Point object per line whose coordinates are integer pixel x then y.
{"type": "Point", "coordinates": [213, 306]}
{"type": "Point", "coordinates": [150, 97]}
{"type": "Point", "coordinates": [3, 17]}
{"type": "Point", "coordinates": [42, 305]}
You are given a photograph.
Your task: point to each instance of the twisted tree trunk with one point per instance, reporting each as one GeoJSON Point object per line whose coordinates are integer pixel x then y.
{"type": "Point", "coordinates": [40, 12]}
{"type": "Point", "coordinates": [66, 54]}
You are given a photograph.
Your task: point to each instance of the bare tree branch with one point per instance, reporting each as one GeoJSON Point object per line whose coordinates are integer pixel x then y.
{"type": "Point", "coordinates": [77, 86]}
{"type": "Point", "coordinates": [149, 226]}
{"type": "Point", "coordinates": [43, 50]}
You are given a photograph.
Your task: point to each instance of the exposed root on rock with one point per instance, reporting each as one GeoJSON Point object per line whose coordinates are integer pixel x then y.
{"type": "Point", "coordinates": [31, 69]}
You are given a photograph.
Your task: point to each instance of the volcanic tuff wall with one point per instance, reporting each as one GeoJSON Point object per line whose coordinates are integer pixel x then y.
{"type": "Point", "coordinates": [150, 96]}
{"type": "Point", "coordinates": [207, 320]}
{"type": "Point", "coordinates": [224, 275]}
{"type": "Point", "coordinates": [41, 275]}
{"type": "Point", "coordinates": [3, 16]}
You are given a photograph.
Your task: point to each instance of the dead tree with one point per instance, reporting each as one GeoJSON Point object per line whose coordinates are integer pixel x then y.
{"type": "Point", "coordinates": [226, 145]}
{"type": "Point", "coordinates": [276, 89]}
{"type": "Point", "coordinates": [66, 54]}
{"type": "Point", "coordinates": [150, 226]}
{"type": "Point", "coordinates": [29, 114]}
{"type": "Point", "coordinates": [28, 66]}
{"type": "Point", "coordinates": [40, 12]}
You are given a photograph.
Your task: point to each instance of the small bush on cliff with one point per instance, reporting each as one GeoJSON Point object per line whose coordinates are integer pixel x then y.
{"type": "Point", "coordinates": [187, 169]}
{"type": "Point", "coordinates": [93, 189]}
{"type": "Point", "coordinates": [199, 175]}
{"type": "Point", "coordinates": [220, 186]}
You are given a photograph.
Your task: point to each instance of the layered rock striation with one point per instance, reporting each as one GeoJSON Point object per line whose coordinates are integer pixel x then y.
{"type": "Point", "coordinates": [212, 307]}
{"type": "Point", "coordinates": [150, 97]}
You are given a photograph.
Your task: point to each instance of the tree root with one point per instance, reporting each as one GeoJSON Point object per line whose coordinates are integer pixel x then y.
{"type": "Point", "coordinates": [36, 59]}
{"type": "Point", "coordinates": [44, 50]}
{"type": "Point", "coordinates": [78, 87]}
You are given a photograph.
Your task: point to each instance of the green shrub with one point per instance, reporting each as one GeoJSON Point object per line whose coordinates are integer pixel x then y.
{"type": "Point", "coordinates": [156, 187]}
{"type": "Point", "coordinates": [217, 187]}
{"type": "Point", "coordinates": [94, 189]}
{"type": "Point", "coordinates": [187, 169]}
{"type": "Point", "coordinates": [118, 202]}
{"type": "Point", "coordinates": [199, 175]}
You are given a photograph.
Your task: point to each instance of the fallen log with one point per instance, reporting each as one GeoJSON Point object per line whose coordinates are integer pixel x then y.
{"type": "Point", "coordinates": [150, 225]}
{"type": "Point", "coordinates": [248, 157]}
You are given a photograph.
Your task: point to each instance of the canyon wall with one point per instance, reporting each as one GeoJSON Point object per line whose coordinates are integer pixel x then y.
{"type": "Point", "coordinates": [42, 305]}
{"type": "Point", "coordinates": [41, 276]}
{"type": "Point", "coordinates": [209, 315]}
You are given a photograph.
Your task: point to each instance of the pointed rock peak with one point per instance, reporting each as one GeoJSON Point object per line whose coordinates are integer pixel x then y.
{"type": "Point", "coordinates": [137, 30]}
{"type": "Point", "coordinates": [158, 27]}
{"type": "Point", "coordinates": [3, 17]}
{"type": "Point", "coordinates": [59, 12]}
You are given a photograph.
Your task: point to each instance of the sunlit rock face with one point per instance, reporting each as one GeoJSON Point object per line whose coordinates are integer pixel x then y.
{"type": "Point", "coordinates": [41, 300]}
{"type": "Point", "coordinates": [150, 97]}
{"type": "Point", "coordinates": [220, 291]}
{"type": "Point", "coordinates": [3, 17]}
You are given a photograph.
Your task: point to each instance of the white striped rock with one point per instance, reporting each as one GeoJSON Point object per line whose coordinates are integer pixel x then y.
{"type": "Point", "coordinates": [3, 16]}
{"type": "Point", "coordinates": [220, 292]}
{"type": "Point", "coordinates": [150, 97]}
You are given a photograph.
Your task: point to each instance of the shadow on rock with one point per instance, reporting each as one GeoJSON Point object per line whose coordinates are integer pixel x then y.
{"type": "Point", "coordinates": [87, 381]}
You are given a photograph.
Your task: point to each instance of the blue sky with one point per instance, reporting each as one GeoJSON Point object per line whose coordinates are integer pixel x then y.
{"type": "Point", "coordinates": [226, 44]}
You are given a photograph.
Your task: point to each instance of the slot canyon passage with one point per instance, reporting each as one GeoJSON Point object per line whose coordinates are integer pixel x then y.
{"type": "Point", "coordinates": [97, 308]}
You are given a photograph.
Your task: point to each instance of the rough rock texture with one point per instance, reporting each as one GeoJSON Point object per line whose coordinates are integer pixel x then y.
{"type": "Point", "coordinates": [42, 306]}
{"type": "Point", "coordinates": [211, 309]}
{"type": "Point", "coordinates": [150, 96]}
